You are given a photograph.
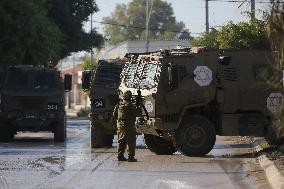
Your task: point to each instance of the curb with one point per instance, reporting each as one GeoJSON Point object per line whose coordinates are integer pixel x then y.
{"type": "Point", "coordinates": [273, 175]}
{"type": "Point", "coordinates": [77, 118]}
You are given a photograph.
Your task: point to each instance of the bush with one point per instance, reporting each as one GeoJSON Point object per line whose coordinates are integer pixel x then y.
{"type": "Point", "coordinates": [84, 112]}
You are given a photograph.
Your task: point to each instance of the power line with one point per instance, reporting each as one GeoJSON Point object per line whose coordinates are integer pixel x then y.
{"type": "Point", "coordinates": [140, 27]}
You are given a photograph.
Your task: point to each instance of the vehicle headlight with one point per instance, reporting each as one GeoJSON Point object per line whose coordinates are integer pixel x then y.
{"type": "Point", "coordinates": [43, 116]}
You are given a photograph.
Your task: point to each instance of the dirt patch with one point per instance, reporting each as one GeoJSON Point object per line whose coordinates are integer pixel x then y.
{"type": "Point", "coordinates": [278, 158]}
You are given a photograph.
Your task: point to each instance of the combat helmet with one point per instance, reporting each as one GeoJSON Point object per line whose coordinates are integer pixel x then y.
{"type": "Point", "coordinates": [127, 95]}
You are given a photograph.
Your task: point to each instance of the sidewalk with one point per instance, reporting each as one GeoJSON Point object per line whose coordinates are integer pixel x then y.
{"type": "Point", "coordinates": [71, 113]}
{"type": "Point", "coordinates": [272, 162]}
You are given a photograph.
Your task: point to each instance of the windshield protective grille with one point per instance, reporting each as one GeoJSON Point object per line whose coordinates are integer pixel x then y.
{"type": "Point", "coordinates": [143, 74]}
{"type": "Point", "coordinates": [108, 76]}
{"type": "Point", "coordinates": [150, 75]}
{"type": "Point", "coordinates": [131, 77]}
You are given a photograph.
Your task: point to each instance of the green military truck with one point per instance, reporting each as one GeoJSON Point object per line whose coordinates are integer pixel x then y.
{"type": "Point", "coordinates": [102, 84]}
{"type": "Point", "coordinates": [32, 99]}
{"type": "Point", "coordinates": [192, 95]}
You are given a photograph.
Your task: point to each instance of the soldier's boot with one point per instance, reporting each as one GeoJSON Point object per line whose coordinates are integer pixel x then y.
{"type": "Point", "coordinates": [131, 159]}
{"type": "Point", "coordinates": [121, 158]}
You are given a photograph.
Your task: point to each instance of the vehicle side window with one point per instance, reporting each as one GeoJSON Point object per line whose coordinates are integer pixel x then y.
{"type": "Point", "coordinates": [178, 73]}
{"type": "Point", "coordinates": [175, 77]}
{"type": "Point", "coordinates": [262, 72]}
{"type": "Point", "coordinates": [181, 72]}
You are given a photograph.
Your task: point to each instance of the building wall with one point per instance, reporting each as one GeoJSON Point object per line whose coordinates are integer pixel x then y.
{"type": "Point", "coordinates": [140, 47]}
{"type": "Point", "coordinates": [76, 98]}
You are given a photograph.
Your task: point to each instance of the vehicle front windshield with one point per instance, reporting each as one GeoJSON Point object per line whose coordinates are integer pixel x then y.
{"type": "Point", "coordinates": [29, 80]}
{"type": "Point", "coordinates": [131, 77]}
{"type": "Point", "coordinates": [17, 79]}
{"type": "Point", "coordinates": [108, 76]}
{"type": "Point", "coordinates": [142, 74]}
{"type": "Point", "coordinates": [44, 81]}
{"type": "Point", "coordinates": [150, 75]}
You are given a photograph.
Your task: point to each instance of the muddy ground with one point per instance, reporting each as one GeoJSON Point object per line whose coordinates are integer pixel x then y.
{"type": "Point", "coordinates": [34, 160]}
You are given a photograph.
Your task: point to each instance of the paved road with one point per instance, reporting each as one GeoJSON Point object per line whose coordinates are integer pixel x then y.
{"type": "Point", "coordinates": [35, 161]}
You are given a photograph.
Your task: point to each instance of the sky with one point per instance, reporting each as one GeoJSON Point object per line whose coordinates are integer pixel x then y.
{"type": "Point", "coordinates": [191, 12]}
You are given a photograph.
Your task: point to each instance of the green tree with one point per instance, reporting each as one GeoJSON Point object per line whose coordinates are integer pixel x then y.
{"type": "Point", "coordinates": [242, 35]}
{"type": "Point", "coordinates": [41, 32]}
{"type": "Point", "coordinates": [90, 64]}
{"type": "Point", "coordinates": [27, 36]}
{"type": "Point", "coordinates": [161, 25]}
{"type": "Point", "coordinates": [69, 16]}
{"type": "Point", "coordinates": [207, 39]}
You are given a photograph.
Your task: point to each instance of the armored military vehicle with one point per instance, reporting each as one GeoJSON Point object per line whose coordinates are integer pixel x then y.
{"type": "Point", "coordinates": [102, 83]}
{"type": "Point", "coordinates": [32, 99]}
{"type": "Point", "coordinates": [192, 95]}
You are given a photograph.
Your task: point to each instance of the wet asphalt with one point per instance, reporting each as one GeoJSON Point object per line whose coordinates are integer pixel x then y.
{"type": "Point", "coordinates": [34, 160]}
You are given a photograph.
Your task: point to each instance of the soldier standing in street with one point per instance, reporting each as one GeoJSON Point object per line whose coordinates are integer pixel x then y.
{"type": "Point", "coordinates": [126, 113]}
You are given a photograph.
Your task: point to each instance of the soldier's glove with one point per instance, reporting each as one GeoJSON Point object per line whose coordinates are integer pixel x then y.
{"type": "Point", "coordinates": [138, 98]}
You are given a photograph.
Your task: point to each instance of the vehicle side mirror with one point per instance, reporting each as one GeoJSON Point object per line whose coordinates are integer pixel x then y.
{"type": "Point", "coordinates": [224, 60]}
{"type": "Point", "coordinates": [67, 82]}
{"type": "Point", "coordinates": [86, 80]}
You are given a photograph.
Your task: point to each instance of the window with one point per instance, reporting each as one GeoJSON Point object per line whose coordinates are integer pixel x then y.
{"type": "Point", "coordinates": [44, 81]}
{"type": "Point", "coordinates": [262, 72]}
{"type": "Point", "coordinates": [181, 72]}
{"type": "Point", "coordinates": [17, 80]}
{"type": "Point", "coordinates": [108, 76]}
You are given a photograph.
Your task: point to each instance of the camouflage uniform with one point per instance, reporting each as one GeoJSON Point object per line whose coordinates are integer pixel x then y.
{"type": "Point", "coordinates": [126, 114]}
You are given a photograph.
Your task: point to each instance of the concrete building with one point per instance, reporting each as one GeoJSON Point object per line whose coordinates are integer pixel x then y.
{"type": "Point", "coordinates": [76, 99]}
{"type": "Point", "coordinates": [139, 46]}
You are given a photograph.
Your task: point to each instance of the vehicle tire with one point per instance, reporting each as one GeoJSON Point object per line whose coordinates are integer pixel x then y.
{"type": "Point", "coordinates": [159, 145]}
{"type": "Point", "coordinates": [6, 133]}
{"type": "Point", "coordinates": [60, 131]}
{"type": "Point", "coordinates": [272, 137]}
{"type": "Point", "coordinates": [108, 140]}
{"type": "Point", "coordinates": [97, 137]}
{"type": "Point", "coordinates": [196, 136]}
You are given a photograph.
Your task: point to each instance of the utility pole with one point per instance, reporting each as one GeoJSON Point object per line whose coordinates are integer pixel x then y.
{"type": "Point", "coordinates": [207, 15]}
{"type": "Point", "coordinates": [91, 32]}
{"type": "Point", "coordinates": [252, 9]}
{"type": "Point", "coordinates": [147, 26]}
{"type": "Point", "coordinates": [148, 16]}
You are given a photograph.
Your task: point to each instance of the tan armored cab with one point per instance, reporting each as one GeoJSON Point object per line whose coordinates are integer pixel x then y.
{"type": "Point", "coordinates": [190, 95]}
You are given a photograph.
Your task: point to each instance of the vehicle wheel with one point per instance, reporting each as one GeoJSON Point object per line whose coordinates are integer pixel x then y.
{"type": "Point", "coordinates": [195, 136]}
{"type": "Point", "coordinates": [108, 140]}
{"type": "Point", "coordinates": [159, 145]}
{"type": "Point", "coordinates": [272, 137]}
{"type": "Point", "coordinates": [6, 133]}
{"type": "Point", "coordinates": [97, 139]}
{"type": "Point", "coordinates": [60, 131]}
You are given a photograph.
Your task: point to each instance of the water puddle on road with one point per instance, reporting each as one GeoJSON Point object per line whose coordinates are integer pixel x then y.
{"type": "Point", "coordinates": [230, 150]}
